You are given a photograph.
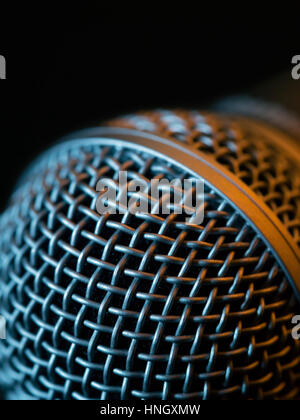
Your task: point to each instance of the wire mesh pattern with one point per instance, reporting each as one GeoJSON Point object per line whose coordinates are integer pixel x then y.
{"type": "Point", "coordinates": [261, 166]}
{"type": "Point", "coordinates": [273, 113]}
{"type": "Point", "coordinates": [137, 306]}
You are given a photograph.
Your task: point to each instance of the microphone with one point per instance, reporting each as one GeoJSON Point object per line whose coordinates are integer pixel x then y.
{"type": "Point", "coordinates": [133, 305]}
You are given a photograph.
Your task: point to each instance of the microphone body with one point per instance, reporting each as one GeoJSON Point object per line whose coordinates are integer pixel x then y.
{"type": "Point", "coordinates": [148, 306]}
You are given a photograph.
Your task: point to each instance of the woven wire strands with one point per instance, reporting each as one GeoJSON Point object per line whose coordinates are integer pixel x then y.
{"type": "Point", "coordinates": [260, 165]}
{"type": "Point", "coordinates": [144, 306]}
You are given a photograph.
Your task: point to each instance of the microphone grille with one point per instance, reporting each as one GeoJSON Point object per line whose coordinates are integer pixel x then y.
{"type": "Point", "coordinates": [242, 148]}
{"type": "Point", "coordinates": [142, 306]}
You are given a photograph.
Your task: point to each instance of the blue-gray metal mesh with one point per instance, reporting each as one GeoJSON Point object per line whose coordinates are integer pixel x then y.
{"type": "Point", "coordinates": [137, 306]}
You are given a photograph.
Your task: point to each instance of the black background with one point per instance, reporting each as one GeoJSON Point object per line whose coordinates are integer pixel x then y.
{"type": "Point", "coordinates": [71, 68]}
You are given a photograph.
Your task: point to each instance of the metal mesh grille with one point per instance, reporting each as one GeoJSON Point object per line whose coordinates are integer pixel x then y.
{"type": "Point", "coordinates": [261, 166]}
{"type": "Point", "coordinates": [137, 306]}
